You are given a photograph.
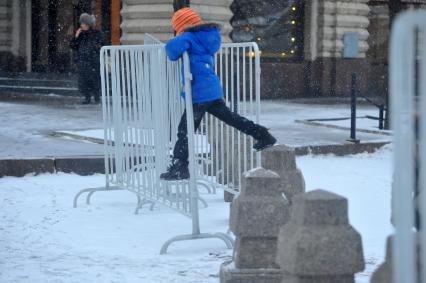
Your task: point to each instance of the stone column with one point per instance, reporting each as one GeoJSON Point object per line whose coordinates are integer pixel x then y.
{"type": "Point", "coordinates": [5, 25]}
{"type": "Point", "coordinates": [318, 245]}
{"type": "Point", "coordinates": [329, 20]}
{"type": "Point", "coordinates": [282, 160]}
{"type": "Point", "coordinates": [13, 35]}
{"type": "Point", "coordinates": [65, 31]}
{"type": "Point", "coordinates": [154, 17]}
{"type": "Point", "coordinates": [326, 23]}
{"type": "Point", "coordinates": [256, 215]}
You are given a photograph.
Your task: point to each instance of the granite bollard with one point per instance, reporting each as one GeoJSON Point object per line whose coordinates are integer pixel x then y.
{"type": "Point", "coordinates": [318, 245]}
{"type": "Point", "coordinates": [256, 215]}
{"type": "Point", "coordinates": [282, 160]}
{"type": "Point", "coordinates": [384, 273]}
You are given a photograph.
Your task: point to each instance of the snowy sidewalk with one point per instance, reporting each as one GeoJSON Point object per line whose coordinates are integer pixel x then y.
{"type": "Point", "coordinates": [43, 239]}
{"type": "Point", "coordinates": [26, 130]}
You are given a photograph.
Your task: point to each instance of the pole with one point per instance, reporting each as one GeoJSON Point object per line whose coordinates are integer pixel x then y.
{"type": "Point", "coordinates": [191, 154]}
{"type": "Point", "coordinates": [115, 22]}
{"type": "Point", "coordinates": [353, 138]}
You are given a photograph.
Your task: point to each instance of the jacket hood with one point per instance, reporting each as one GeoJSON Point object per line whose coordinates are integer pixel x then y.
{"type": "Point", "coordinates": [208, 35]}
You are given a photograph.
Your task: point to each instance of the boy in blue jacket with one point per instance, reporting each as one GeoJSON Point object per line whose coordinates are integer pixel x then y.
{"type": "Point", "coordinates": [202, 41]}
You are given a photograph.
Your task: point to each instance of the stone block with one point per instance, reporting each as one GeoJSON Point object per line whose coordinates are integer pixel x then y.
{"type": "Point", "coordinates": [320, 207]}
{"type": "Point", "coordinates": [292, 183]}
{"type": "Point", "coordinates": [258, 216]}
{"type": "Point", "coordinates": [319, 250]}
{"type": "Point", "coordinates": [261, 182]}
{"type": "Point", "coordinates": [230, 274]}
{"type": "Point", "coordinates": [255, 252]}
{"type": "Point", "coordinates": [260, 209]}
{"type": "Point", "coordinates": [279, 158]}
{"type": "Point", "coordinates": [282, 160]}
{"type": "Point", "coordinates": [317, 244]}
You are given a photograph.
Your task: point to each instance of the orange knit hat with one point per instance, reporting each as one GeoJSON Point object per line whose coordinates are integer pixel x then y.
{"type": "Point", "coordinates": [183, 18]}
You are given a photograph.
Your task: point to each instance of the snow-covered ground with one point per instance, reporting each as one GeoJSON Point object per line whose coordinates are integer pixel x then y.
{"type": "Point", "coordinates": [43, 239]}
{"type": "Point", "coordinates": [26, 129]}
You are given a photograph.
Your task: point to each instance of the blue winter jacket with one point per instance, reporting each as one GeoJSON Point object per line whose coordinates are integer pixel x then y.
{"type": "Point", "coordinates": [201, 42]}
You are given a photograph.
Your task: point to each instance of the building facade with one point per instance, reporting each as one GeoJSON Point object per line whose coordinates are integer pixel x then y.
{"type": "Point", "coordinates": [302, 41]}
{"type": "Point", "coordinates": [35, 34]}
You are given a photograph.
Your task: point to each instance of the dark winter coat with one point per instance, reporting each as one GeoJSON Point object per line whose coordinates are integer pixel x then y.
{"type": "Point", "coordinates": [88, 45]}
{"type": "Point", "coordinates": [201, 42]}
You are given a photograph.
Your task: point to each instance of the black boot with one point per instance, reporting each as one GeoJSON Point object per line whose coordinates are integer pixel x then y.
{"type": "Point", "coordinates": [264, 139]}
{"type": "Point", "coordinates": [178, 170]}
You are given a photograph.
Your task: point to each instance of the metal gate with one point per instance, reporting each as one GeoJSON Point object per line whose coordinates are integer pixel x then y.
{"type": "Point", "coordinates": [142, 107]}
{"type": "Point", "coordinates": [408, 106]}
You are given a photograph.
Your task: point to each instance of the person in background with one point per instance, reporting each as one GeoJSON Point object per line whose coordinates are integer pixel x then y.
{"type": "Point", "coordinates": [202, 41]}
{"type": "Point", "coordinates": [88, 42]}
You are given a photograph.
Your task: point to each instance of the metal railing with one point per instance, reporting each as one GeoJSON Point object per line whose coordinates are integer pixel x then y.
{"type": "Point", "coordinates": [141, 109]}
{"type": "Point", "coordinates": [408, 110]}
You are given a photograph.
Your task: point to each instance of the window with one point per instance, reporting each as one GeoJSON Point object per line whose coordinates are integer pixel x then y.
{"type": "Point", "coordinates": [277, 27]}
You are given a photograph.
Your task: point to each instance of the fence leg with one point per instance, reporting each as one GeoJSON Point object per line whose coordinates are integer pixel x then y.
{"type": "Point", "coordinates": [92, 191]}
{"type": "Point", "coordinates": [229, 242]}
{"type": "Point", "coordinates": [142, 202]}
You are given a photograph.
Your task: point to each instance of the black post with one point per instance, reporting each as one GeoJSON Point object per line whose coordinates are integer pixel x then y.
{"type": "Point", "coordinates": [381, 116]}
{"type": "Point", "coordinates": [353, 109]}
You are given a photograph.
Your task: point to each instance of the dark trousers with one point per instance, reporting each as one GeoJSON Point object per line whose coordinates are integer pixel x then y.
{"type": "Point", "coordinates": [89, 84]}
{"type": "Point", "coordinates": [218, 109]}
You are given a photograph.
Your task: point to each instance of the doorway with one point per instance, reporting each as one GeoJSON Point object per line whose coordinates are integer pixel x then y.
{"type": "Point", "coordinates": [54, 23]}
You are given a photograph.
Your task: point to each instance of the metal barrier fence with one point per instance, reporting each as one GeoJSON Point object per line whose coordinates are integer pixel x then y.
{"type": "Point", "coordinates": [140, 86]}
{"type": "Point", "coordinates": [408, 110]}
{"type": "Point", "coordinates": [142, 108]}
{"type": "Point", "coordinates": [223, 154]}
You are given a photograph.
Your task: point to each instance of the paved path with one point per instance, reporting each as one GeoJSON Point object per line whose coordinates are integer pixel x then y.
{"type": "Point", "coordinates": [26, 128]}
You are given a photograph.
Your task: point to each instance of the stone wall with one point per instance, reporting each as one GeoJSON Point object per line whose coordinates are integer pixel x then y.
{"type": "Point", "coordinates": [326, 22]}
{"type": "Point", "coordinates": [13, 34]}
{"type": "Point", "coordinates": [5, 25]}
{"type": "Point", "coordinates": [154, 17]}
{"type": "Point", "coordinates": [323, 71]}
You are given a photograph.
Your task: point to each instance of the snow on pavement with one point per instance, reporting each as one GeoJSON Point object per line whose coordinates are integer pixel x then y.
{"type": "Point", "coordinates": [43, 239]}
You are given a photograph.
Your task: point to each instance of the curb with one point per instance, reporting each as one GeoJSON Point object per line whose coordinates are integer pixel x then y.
{"type": "Point", "coordinates": [81, 165]}
{"type": "Point", "coordinates": [340, 149]}
{"type": "Point", "coordinates": [317, 124]}
{"type": "Point", "coordinates": [89, 165]}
